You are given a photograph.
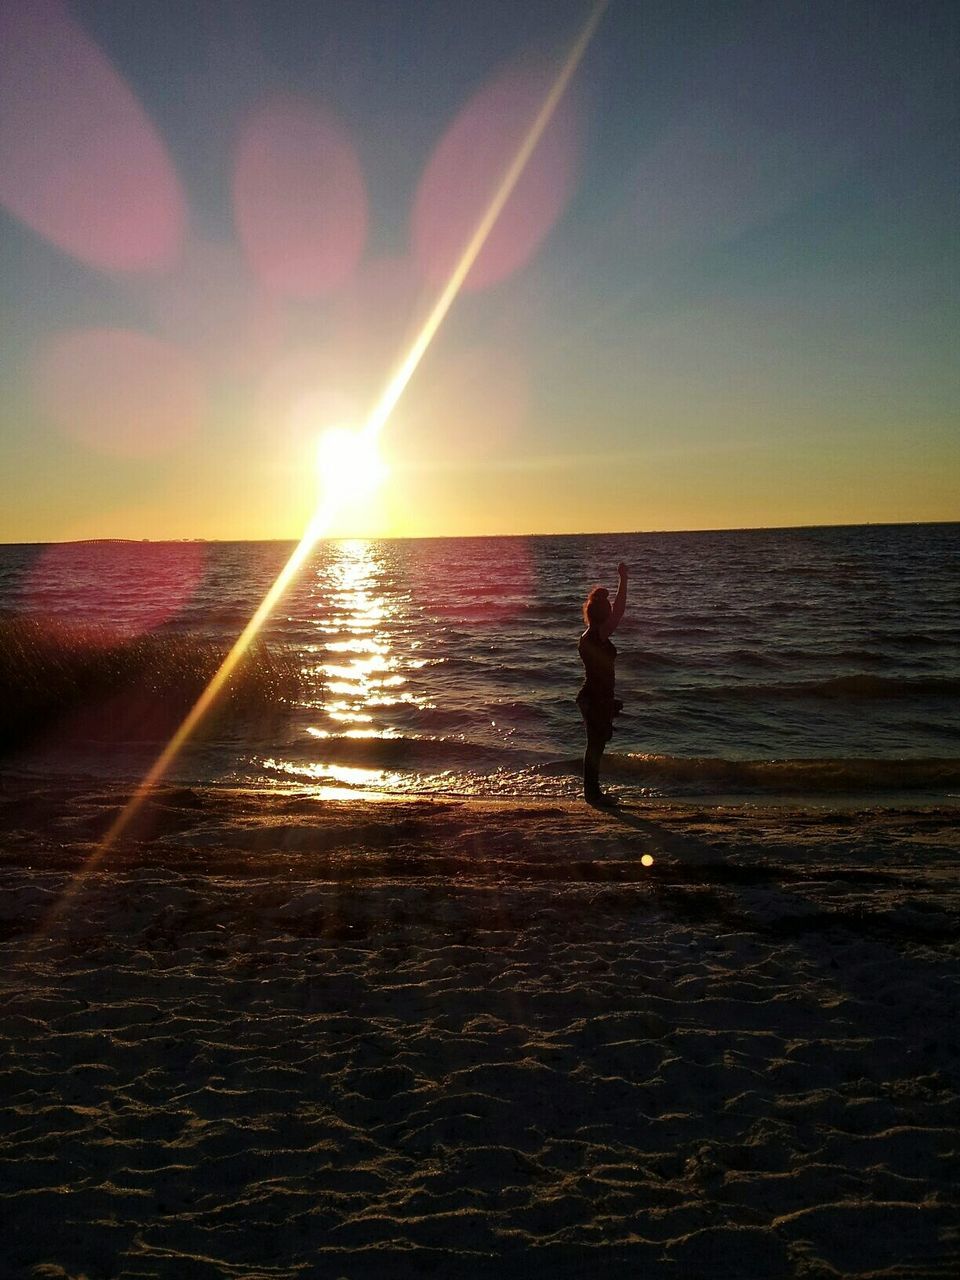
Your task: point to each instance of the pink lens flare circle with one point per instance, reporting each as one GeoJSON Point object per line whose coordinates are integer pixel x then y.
{"type": "Point", "coordinates": [119, 391]}
{"type": "Point", "coordinates": [112, 590]}
{"type": "Point", "coordinates": [80, 163]}
{"type": "Point", "coordinates": [468, 167]}
{"type": "Point", "coordinates": [299, 198]}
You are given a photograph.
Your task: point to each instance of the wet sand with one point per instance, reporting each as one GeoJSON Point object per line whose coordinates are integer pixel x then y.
{"type": "Point", "coordinates": [278, 1036]}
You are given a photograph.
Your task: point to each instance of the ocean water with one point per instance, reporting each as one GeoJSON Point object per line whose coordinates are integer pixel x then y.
{"type": "Point", "coordinates": [817, 662]}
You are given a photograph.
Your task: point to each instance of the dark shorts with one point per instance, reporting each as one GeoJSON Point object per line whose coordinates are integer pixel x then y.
{"type": "Point", "coordinates": [598, 714]}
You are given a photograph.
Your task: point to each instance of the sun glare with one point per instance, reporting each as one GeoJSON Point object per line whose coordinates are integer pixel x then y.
{"type": "Point", "coordinates": [349, 465]}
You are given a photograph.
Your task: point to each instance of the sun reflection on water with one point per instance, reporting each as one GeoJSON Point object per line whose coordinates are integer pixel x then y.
{"type": "Point", "coordinates": [359, 665]}
{"type": "Point", "coordinates": [334, 779]}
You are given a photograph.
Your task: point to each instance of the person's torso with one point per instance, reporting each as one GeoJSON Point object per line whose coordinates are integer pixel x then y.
{"type": "Point", "coordinates": [598, 657]}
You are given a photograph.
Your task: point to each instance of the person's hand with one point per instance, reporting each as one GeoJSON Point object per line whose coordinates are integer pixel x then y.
{"type": "Point", "coordinates": [622, 570]}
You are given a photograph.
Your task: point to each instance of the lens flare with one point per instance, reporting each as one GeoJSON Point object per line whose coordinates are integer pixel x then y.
{"type": "Point", "coordinates": [468, 162]}
{"type": "Point", "coordinates": [320, 522]}
{"type": "Point", "coordinates": [484, 227]}
{"type": "Point", "coordinates": [300, 200]}
{"type": "Point", "coordinates": [80, 162]}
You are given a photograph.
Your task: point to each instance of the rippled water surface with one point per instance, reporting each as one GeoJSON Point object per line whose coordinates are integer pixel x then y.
{"type": "Point", "coordinates": [452, 663]}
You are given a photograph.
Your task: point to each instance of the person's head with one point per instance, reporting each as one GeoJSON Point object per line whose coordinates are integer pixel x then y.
{"type": "Point", "coordinates": [597, 607]}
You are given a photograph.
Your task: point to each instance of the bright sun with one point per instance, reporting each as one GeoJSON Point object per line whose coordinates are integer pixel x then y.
{"type": "Point", "coordinates": [349, 465]}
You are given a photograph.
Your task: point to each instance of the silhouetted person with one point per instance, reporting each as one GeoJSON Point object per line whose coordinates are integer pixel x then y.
{"type": "Point", "coordinates": [596, 699]}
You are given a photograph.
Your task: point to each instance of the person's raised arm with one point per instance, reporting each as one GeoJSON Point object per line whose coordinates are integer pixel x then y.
{"type": "Point", "coordinates": [619, 603]}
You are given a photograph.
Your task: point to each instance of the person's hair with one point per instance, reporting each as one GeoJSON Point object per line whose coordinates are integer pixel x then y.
{"type": "Point", "coordinates": [597, 606]}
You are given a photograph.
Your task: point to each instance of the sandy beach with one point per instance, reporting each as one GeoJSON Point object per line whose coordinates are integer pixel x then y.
{"type": "Point", "coordinates": [277, 1035]}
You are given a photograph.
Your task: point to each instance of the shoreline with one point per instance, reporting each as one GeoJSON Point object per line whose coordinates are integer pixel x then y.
{"type": "Point", "coordinates": [32, 767]}
{"type": "Point", "coordinates": [273, 1035]}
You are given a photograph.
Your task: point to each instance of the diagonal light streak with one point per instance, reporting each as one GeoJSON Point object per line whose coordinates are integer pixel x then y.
{"type": "Point", "coordinates": [315, 530]}
{"type": "Point", "coordinates": [408, 366]}
{"type": "Point", "coordinates": [320, 521]}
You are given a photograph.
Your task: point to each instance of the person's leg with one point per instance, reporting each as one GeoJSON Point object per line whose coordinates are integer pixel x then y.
{"type": "Point", "coordinates": [596, 741]}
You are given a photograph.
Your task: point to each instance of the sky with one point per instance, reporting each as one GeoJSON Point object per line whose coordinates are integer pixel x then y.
{"type": "Point", "coordinates": [723, 293]}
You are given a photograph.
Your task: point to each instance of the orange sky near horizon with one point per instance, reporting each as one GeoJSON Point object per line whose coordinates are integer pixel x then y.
{"type": "Point", "coordinates": [749, 484]}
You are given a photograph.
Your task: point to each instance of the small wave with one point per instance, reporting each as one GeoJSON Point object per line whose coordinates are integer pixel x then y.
{"type": "Point", "coordinates": [657, 658]}
{"type": "Point", "coordinates": [752, 658]}
{"type": "Point", "coordinates": [802, 776]}
{"type": "Point", "coordinates": [683, 633]}
{"type": "Point", "coordinates": [832, 657]}
{"type": "Point", "coordinates": [916, 639]}
{"type": "Point", "coordinates": [860, 687]}
{"type": "Point", "coordinates": [403, 750]}
{"type": "Point", "coordinates": [215, 618]}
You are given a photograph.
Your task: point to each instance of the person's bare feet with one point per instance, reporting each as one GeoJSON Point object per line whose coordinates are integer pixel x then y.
{"type": "Point", "coordinates": [603, 800]}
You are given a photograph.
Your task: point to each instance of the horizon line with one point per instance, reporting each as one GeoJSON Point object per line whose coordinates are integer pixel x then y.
{"type": "Point", "coordinates": [439, 537]}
